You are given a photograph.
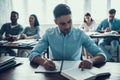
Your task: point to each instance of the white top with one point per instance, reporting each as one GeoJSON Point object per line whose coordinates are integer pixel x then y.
{"type": "Point", "coordinates": [87, 28]}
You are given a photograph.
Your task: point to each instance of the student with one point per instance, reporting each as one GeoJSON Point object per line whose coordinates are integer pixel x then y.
{"type": "Point", "coordinates": [12, 31]}
{"type": "Point", "coordinates": [65, 42]}
{"type": "Point", "coordinates": [107, 25]}
{"type": "Point", "coordinates": [30, 32]}
{"type": "Point", "coordinates": [89, 24]}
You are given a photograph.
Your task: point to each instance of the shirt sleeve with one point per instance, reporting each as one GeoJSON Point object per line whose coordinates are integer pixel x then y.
{"type": "Point", "coordinates": [2, 30]}
{"type": "Point", "coordinates": [40, 47]}
{"type": "Point", "coordinates": [91, 47]}
{"type": "Point", "coordinates": [37, 35]}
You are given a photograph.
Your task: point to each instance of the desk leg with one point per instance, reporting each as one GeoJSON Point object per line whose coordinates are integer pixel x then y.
{"type": "Point", "coordinates": [118, 54]}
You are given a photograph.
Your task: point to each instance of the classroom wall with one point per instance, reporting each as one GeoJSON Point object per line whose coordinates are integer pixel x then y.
{"type": "Point", "coordinates": [5, 10]}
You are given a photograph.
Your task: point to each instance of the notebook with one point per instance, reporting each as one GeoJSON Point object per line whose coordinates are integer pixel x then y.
{"type": "Point", "coordinates": [41, 69]}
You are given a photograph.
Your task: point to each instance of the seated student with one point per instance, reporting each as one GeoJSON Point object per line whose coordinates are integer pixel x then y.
{"type": "Point", "coordinates": [30, 32]}
{"type": "Point", "coordinates": [88, 25]}
{"type": "Point", "coordinates": [12, 31]}
{"type": "Point", "coordinates": [65, 42]}
{"type": "Point", "coordinates": [108, 25]}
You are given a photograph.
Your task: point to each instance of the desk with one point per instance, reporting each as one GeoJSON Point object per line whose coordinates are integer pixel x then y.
{"type": "Point", "coordinates": [16, 45]}
{"type": "Point", "coordinates": [11, 45]}
{"type": "Point", "coordinates": [26, 72]}
{"type": "Point", "coordinates": [102, 35]}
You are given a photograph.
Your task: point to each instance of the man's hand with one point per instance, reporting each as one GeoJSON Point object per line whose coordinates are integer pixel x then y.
{"type": "Point", "coordinates": [49, 65]}
{"type": "Point", "coordinates": [108, 29]}
{"type": "Point", "coordinates": [86, 64]}
{"type": "Point", "coordinates": [24, 36]}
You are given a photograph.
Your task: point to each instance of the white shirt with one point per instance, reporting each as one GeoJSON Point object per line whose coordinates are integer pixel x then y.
{"type": "Point", "coordinates": [87, 28]}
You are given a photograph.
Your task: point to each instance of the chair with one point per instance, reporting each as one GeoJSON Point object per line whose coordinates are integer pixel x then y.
{"type": "Point", "coordinates": [116, 56]}
{"type": "Point", "coordinates": [46, 53]}
{"type": "Point", "coordinates": [3, 51]}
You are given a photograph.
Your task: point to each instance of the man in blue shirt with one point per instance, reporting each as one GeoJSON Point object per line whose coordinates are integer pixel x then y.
{"type": "Point", "coordinates": [108, 25]}
{"type": "Point", "coordinates": [65, 42]}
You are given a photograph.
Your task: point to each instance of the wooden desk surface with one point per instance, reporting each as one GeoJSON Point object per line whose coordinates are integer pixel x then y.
{"type": "Point", "coordinates": [26, 72]}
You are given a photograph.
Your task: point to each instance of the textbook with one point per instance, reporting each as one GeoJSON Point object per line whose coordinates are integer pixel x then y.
{"type": "Point", "coordinates": [70, 70]}
{"type": "Point", "coordinates": [6, 59]}
{"type": "Point", "coordinates": [7, 62]}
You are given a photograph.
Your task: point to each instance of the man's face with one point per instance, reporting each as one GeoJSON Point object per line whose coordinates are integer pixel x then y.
{"type": "Point", "coordinates": [65, 23]}
{"type": "Point", "coordinates": [111, 17]}
{"type": "Point", "coordinates": [14, 17]}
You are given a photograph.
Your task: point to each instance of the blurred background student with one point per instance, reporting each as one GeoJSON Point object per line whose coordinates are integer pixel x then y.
{"type": "Point", "coordinates": [30, 32]}
{"type": "Point", "coordinates": [88, 25]}
{"type": "Point", "coordinates": [107, 25]}
{"type": "Point", "coordinates": [12, 32]}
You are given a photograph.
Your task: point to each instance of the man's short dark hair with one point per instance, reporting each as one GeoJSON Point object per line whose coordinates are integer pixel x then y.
{"type": "Point", "coordinates": [61, 9]}
{"type": "Point", "coordinates": [15, 12]}
{"type": "Point", "coordinates": [112, 11]}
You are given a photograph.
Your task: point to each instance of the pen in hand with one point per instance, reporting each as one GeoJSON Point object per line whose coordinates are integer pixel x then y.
{"type": "Point", "coordinates": [49, 65]}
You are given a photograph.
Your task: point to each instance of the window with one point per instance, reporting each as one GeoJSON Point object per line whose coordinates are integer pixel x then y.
{"type": "Point", "coordinates": [44, 9]}
{"type": "Point", "coordinates": [116, 5]}
{"type": "Point", "coordinates": [99, 10]}
{"type": "Point", "coordinates": [77, 8]}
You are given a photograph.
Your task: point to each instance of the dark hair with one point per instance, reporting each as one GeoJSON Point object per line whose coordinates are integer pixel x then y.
{"type": "Point", "coordinates": [15, 13]}
{"type": "Point", "coordinates": [36, 20]}
{"type": "Point", "coordinates": [87, 14]}
{"type": "Point", "coordinates": [112, 11]}
{"type": "Point", "coordinates": [61, 9]}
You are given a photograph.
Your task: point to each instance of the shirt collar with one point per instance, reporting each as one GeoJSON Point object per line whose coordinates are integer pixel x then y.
{"type": "Point", "coordinates": [67, 33]}
{"type": "Point", "coordinates": [112, 21]}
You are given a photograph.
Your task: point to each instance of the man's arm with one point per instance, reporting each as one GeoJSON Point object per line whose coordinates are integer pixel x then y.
{"type": "Point", "coordinates": [99, 58]}
{"type": "Point", "coordinates": [48, 64]}
{"type": "Point", "coordinates": [98, 54]}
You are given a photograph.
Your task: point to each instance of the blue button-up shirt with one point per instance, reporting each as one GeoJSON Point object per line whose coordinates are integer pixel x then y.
{"type": "Point", "coordinates": [65, 47]}
{"type": "Point", "coordinates": [115, 25]}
